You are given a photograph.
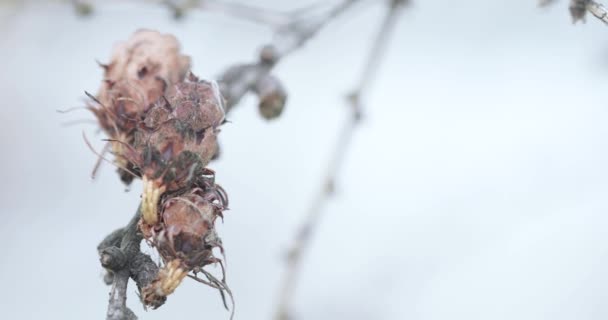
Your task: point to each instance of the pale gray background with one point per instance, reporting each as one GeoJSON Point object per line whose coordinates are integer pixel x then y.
{"type": "Point", "coordinates": [475, 189]}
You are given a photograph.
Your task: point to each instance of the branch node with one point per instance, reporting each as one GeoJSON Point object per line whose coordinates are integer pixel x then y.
{"type": "Point", "coordinates": [112, 258]}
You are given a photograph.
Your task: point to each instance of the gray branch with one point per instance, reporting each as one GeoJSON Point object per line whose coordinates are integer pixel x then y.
{"type": "Point", "coordinates": [579, 8]}
{"type": "Point", "coordinates": [238, 80]}
{"type": "Point", "coordinates": [120, 255]}
{"type": "Point", "coordinates": [598, 10]}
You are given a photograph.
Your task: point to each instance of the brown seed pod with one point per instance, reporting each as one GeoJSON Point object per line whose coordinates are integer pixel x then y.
{"type": "Point", "coordinates": [138, 74]}
{"type": "Point", "coordinates": [200, 103]}
{"type": "Point", "coordinates": [187, 231]}
{"type": "Point", "coordinates": [140, 70]}
{"type": "Point", "coordinates": [184, 235]}
{"type": "Point", "coordinates": [176, 141]}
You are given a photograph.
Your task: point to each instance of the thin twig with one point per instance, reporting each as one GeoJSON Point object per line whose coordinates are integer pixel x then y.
{"type": "Point", "coordinates": [117, 306]}
{"type": "Point", "coordinates": [264, 16]}
{"type": "Point", "coordinates": [238, 80]}
{"type": "Point", "coordinates": [579, 8]}
{"type": "Point", "coordinates": [129, 242]}
{"type": "Point", "coordinates": [238, 10]}
{"type": "Point", "coordinates": [121, 255]}
{"type": "Point", "coordinates": [312, 218]}
{"type": "Point", "coordinates": [598, 10]}
{"type": "Point", "coordinates": [298, 32]}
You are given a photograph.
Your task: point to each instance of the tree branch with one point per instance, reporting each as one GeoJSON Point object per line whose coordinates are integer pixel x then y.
{"type": "Point", "coordinates": [238, 10]}
{"type": "Point", "coordinates": [120, 254]}
{"type": "Point", "coordinates": [579, 8]}
{"type": "Point", "coordinates": [598, 10]}
{"type": "Point", "coordinates": [240, 79]}
{"type": "Point", "coordinates": [345, 136]}
{"type": "Point", "coordinates": [265, 16]}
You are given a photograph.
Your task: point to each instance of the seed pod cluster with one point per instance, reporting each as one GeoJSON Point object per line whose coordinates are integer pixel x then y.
{"type": "Point", "coordinates": [180, 201]}
{"type": "Point", "coordinates": [163, 124]}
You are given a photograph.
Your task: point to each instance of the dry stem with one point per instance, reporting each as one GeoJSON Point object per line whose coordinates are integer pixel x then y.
{"type": "Point", "coordinates": [240, 79]}
{"type": "Point", "coordinates": [579, 9]}
{"type": "Point", "coordinates": [598, 10]}
{"type": "Point", "coordinates": [120, 254]}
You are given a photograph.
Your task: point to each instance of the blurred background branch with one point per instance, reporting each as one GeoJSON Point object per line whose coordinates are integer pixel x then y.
{"type": "Point", "coordinates": [337, 158]}
{"type": "Point", "coordinates": [579, 9]}
{"type": "Point", "coordinates": [255, 77]}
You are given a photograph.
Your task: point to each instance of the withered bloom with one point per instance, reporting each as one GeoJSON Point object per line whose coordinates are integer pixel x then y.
{"type": "Point", "coordinates": [137, 75]}
{"type": "Point", "coordinates": [185, 236]}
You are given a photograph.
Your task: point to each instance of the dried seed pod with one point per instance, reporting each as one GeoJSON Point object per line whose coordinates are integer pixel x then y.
{"type": "Point", "coordinates": [198, 103]}
{"type": "Point", "coordinates": [184, 235]}
{"type": "Point", "coordinates": [138, 74]}
{"type": "Point", "coordinates": [184, 228]}
{"type": "Point", "coordinates": [176, 141]}
{"type": "Point", "coordinates": [141, 68]}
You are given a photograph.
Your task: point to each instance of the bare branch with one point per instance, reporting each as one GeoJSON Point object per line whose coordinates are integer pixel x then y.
{"type": "Point", "coordinates": [312, 218]}
{"type": "Point", "coordinates": [297, 33]}
{"type": "Point", "coordinates": [120, 254]}
{"type": "Point", "coordinates": [579, 8]}
{"type": "Point", "coordinates": [238, 10]}
{"type": "Point", "coordinates": [598, 10]}
{"type": "Point", "coordinates": [544, 3]}
{"type": "Point", "coordinates": [265, 16]}
{"type": "Point", "coordinates": [241, 79]}
{"type": "Point", "coordinates": [117, 308]}
{"type": "Point", "coordinates": [112, 256]}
